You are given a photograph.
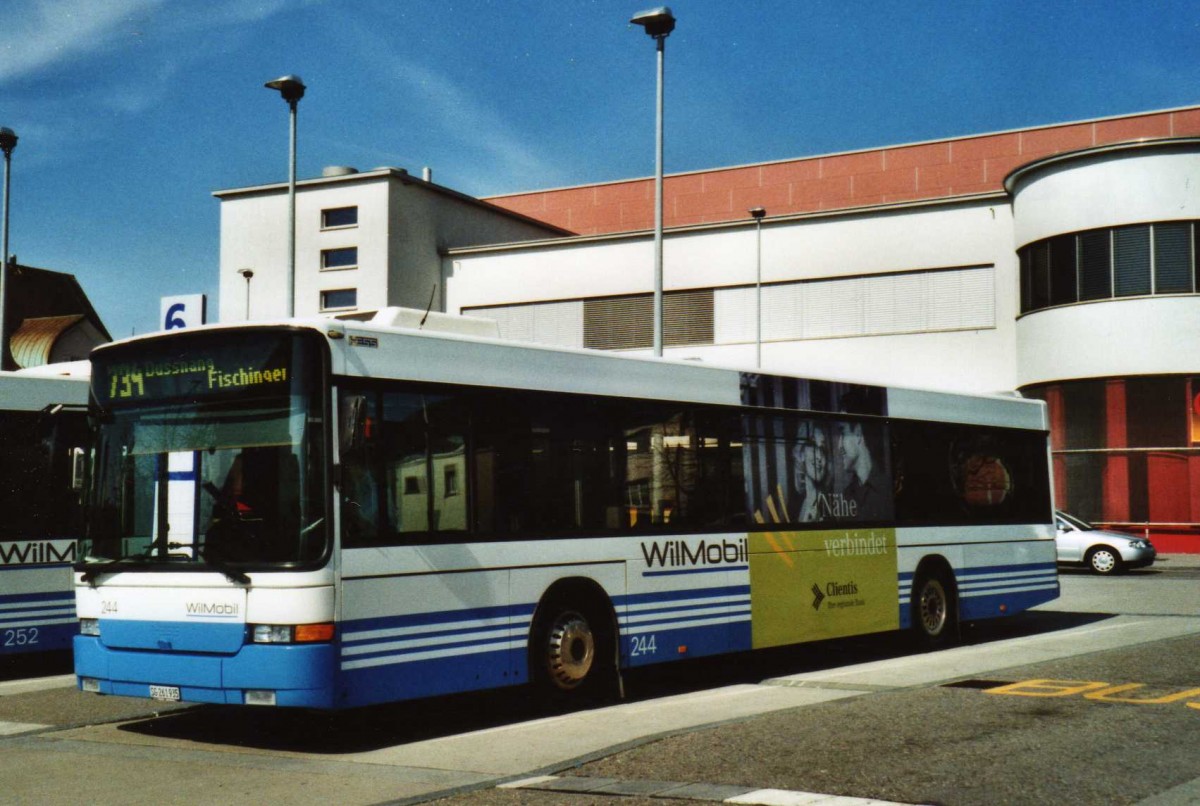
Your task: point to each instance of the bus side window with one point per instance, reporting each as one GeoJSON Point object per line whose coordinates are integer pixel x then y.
{"type": "Point", "coordinates": [503, 470]}
{"type": "Point", "coordinates": [422, 443]}
{"type": "Point", "coordinates": [359, 482]}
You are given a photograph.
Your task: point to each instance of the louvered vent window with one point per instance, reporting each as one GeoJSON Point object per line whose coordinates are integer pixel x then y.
{"type": "Point", "coordinates": [627, 323]}
{"type": "Point", "coordinates": [688, 317]}
{"type": "Point", "coordinates": [618, 323]}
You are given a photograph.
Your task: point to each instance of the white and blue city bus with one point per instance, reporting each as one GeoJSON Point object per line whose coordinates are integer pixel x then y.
{"type": "Point", "coordinates": [43, 440]}
{"type": "Point", "coordinates": [330, 514]}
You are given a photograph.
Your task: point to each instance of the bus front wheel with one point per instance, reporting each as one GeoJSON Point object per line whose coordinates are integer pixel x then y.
{"type": "Point", "coordinates": [571, 652]}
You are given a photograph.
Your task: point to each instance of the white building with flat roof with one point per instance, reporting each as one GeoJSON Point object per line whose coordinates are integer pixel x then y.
{"type": "Point", "coordinates": [363, 239]}
{"type": "Point", "coordinates": [1058, 261]}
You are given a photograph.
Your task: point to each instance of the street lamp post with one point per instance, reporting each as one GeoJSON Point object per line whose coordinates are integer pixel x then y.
{"type": "Point", "coordinates": [292, 90]}
{"type": "Point", "coordinates": [658, 22]}
{"type": "Point", "coordinates": [8, 141]}
{"type": "Point", "coordinates": [247, 273]}
{"type": "Point", "coordinates": [758, 213]}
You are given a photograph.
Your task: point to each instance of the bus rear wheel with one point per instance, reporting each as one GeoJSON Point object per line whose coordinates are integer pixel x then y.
{"type": "Point", "coordinates": [571, 651]}
{"type": "Point", "coordinates": [934, 614]}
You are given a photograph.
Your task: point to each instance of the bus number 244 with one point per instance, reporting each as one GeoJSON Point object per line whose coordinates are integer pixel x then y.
{"type": "Point", "coordinates": [640, 645]}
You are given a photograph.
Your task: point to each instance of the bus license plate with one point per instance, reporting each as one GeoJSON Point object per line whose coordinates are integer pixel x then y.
{"type": "Point", "coordinates": [165, 693]}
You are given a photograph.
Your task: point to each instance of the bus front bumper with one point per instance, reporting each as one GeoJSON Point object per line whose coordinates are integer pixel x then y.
{"type": "Point", "coordinates": [297, 676]}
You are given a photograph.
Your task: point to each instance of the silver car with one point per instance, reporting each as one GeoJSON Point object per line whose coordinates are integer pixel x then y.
{"type": "Point", "coordinates": [1104, 552]}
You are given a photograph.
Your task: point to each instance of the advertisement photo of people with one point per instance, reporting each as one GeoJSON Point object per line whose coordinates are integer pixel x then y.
{"type": "Point", "coordinates": [817, 470]}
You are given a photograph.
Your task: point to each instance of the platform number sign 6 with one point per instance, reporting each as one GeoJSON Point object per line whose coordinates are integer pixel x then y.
{"type": "Point", "coordinates": [175, 316]}
{"type": "Point", "coordinates": [181, 312]}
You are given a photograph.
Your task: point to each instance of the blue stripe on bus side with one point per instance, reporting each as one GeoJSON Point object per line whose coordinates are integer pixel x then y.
{"type": "Point", "coordinates": [670, 625]}
{"type": "Point", "coordinates": [355, 643]}
{"type": "Point", "coordinates": [49, 637]}
{"type": "Point", "coordinates": [433, 640]}
{"type": "Point", "coordinates": [400, 651]}
{"type": "Point", "coordinates": [35, 566]}
{"type": "Point", "coordinates": [676, 643]}
{"type": "Point", "coordinates": [431, 677]}
{"type": "Point", "coordinates": [436, 618]}
{"type": "Point", "coordinates": [1015, 601]}
{"type": "Point", "coordinates": [483, 647]}
{"type": "Point", "coordinates": [690, 593]}
{"type": "Point", "coordinates": [982, 590]}
{"type": "Point", "coordinates": [702, 570]}
{"type": "Point", "coordinates": [404, 657]}
{"type": "Point", "coordinates": [52, 614]}
{"type": "Point", "coordinates": [37, 622]}
{"type": "Point", "coordinates": [20, 598]}
{"type": "Point", "coordinates": [990, 569]}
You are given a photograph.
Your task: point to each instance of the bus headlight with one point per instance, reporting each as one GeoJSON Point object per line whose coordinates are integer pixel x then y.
{"type": "Point", "coordinates": [292, 634]}
{"type": "Point", "coordinates": [272, 634]}
{"type": "Point", "coordinates": [89, 626]}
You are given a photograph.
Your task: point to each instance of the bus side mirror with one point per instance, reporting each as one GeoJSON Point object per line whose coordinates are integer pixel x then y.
{"type": "Point", "coordinates": [354, 423]}
{"type": "Point", "coordinates": [78, 468]}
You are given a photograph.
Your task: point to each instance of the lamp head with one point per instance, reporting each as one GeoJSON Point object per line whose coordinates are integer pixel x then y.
{"type": "Point", "coordinates": [247, 273]}
{"type": "Point", "coordinates": [8, 140]}
{"type": "Point", "coordinates": [757, 212]}
{"type": "Point", "coordinates": [289, 86]}
{"type": "Point", "coordinates": [658, 22]}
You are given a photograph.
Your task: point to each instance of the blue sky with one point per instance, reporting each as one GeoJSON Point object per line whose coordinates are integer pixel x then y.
{"type": "Point", "coordinates": [131, 112]}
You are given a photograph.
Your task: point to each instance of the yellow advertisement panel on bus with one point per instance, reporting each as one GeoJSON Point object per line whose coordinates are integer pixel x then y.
{"type": "Point", "coordinates": [806, 586]}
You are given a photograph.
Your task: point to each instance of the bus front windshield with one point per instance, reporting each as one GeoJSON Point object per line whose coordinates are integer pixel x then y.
{"type": "Point", "coordinates": [209, 451]}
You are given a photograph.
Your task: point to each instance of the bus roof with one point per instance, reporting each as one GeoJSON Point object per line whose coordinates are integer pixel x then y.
{"type": "Point", "coordinates": [387, 345]}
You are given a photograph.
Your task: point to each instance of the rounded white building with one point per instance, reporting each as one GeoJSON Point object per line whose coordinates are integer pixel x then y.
{"type": "Point", "coordinates": [1109, 326]}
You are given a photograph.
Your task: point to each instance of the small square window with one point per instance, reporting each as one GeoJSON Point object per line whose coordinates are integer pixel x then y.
{"type": "Point", "coordinates": [339, 299]}
{"type": "Point", "coordinates": [339, 217]}
{"type": "Point", "coordinates": [344, 258]}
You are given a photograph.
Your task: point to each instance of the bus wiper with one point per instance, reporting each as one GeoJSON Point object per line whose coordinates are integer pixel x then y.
{"type": "Point", "coordinates": [232, 574]}
{"type": "Point", "coordinates": [92, 574]}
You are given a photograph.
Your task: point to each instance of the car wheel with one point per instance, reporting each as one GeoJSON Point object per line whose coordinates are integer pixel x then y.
{"type": "Point", "coordinates": [571, 652]}
{"type": "Point", "coordinates": [1104, 560]}
{"type": "Point", "coordinates": [934, 615]}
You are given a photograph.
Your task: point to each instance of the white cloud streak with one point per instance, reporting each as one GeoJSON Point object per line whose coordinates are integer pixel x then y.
{"type": "Point", "coordinates": [458, 111]}
{"type": "Point", "coordinates": [42, 34]}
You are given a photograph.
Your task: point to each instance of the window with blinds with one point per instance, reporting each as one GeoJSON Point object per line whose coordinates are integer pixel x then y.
{"type": "Point", "coordinates": [554, 323]}
{"type": "Point", "coordinates": [1095, 266]}
{"type": "Point", "coordinates": [874, 305]}
{"type": "Point", "coordinates": [1099, 264]}
{"type": "Point", "coordinates": [1131, 261]}
{"type": "Point", "coordinates": [1173, 258]}
{"type": "Point", "coordinates": [627, 322]}
{"type": "Point", "coordinates": [607, 323]}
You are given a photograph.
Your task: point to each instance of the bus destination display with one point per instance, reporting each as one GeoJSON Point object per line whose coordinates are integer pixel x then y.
{"type": "Point", "coordinates": [195, 373]}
